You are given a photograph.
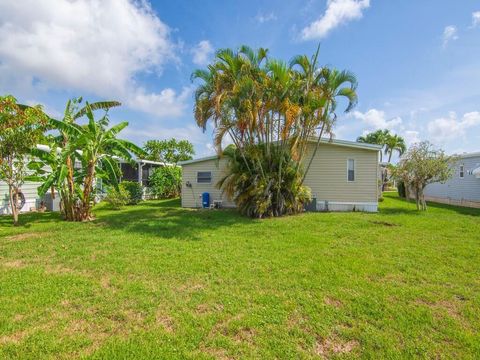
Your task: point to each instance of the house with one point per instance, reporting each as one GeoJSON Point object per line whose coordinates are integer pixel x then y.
{"type": "Point", "coordinates": [343, 177]}
{"type": "Point", "coordinates": [463, 188]}
{"type": "Point", "coordinates": [29, 191]}
{"type": "Point", "coordinates": [138, 173]}
{"type": "Point", "coordinates": [141, 171]}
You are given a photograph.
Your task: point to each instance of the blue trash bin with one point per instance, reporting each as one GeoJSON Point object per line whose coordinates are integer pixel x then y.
{"type": "Point", "coordinates": [206, 200]}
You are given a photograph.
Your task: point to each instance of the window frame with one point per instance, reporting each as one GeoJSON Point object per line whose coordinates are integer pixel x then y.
{"type": "Point", "coordinates": [204, 182]}
{"type": "Point", "coordinates": [461, 171]}
{"type": "Point", "coordinates": [354, 170]}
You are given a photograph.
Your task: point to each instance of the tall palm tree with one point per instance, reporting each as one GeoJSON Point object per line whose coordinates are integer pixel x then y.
{"type": "Point", "coordinates": [378, 137]}
{"type": "Point", "coordinates": [395, 143]}
{"type": "Point", "coordinates": [270, 110]}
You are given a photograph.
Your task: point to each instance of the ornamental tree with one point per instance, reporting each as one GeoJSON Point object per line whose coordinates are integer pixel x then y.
{"type": "Point", "coordinates": [421, 165]}
{"type": "Point", "coordinates": [21, 128]}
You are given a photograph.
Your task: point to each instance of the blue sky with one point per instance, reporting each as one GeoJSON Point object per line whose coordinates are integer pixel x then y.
{"type": "Point", "coordinates": [417, 62]}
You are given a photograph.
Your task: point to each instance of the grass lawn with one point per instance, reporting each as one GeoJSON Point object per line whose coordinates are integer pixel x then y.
{"type": "Point", "coordinates": [159, 281]}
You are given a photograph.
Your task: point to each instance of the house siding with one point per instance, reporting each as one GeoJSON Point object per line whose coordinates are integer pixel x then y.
{"type": "Point", "coordinates": [29, 189]}
{"type": "Point", "coordinates": [458, 191]}
{"type": "Point", "coordinates": [191, 196]}
{"type": "Point", "coordinates": [327, 176]}
{"type": "Point", "coordinates": [327, 179]}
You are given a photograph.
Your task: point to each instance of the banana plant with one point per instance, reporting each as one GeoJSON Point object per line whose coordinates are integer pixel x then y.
{"type": "Point", "coordinates": [80, 155]}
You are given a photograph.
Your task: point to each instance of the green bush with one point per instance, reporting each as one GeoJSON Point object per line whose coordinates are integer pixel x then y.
{"type": "Point", "coordinates": [166, 182]}
{"type": "Point", "coordinates": [259, 194]}
{"type": "Point", "coordinates": [134, 191]}
{"type": "Point", "coordinates": [117, 198]}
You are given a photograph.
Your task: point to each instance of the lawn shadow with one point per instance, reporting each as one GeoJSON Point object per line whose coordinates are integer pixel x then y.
{"type": "Point", "coordinates": [167, 219]}
{"type": "Point", "coordinates": [408, 207]}
{"type": "Point", "coordinates": [458, 209]}
{"type": "Point", "coordinates": [27, 219]}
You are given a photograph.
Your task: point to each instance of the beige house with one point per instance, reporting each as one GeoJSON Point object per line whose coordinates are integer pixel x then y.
{"type": "Point", "coordinates": [343, 177]}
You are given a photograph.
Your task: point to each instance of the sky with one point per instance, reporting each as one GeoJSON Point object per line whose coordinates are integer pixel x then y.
{"type": "Point", "coordinates": [417, 62]}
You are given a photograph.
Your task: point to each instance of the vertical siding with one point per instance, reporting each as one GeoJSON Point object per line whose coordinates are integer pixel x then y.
{"type": "Point", "coordinates": [191, 197]}
{"type": "Point", "coordinates": [327, 177]}
{"type": "Point", "coordinates": [466, 189]}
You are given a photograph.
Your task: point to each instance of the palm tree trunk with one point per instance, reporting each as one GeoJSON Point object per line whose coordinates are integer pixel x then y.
{"type": "Point", "coordinates": [313, 155]}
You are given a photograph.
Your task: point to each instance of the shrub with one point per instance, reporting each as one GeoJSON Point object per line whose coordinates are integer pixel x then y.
{"type": "Point", "coordinates": [166, 182]}
{"type": "Point", "coordinates": [264, 195]}
{"type": "Point", "coordinates": [117, 198]}
{"type": "Point", "coordinates": [134, 191]}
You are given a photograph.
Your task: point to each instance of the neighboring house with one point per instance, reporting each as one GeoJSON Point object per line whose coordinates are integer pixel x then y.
{"type": "Point", "coordinates": [139, 173]}
{"type": "Point", "coordinates": [343, 177]}
{"type": "Point", "coordinates": [29, 190]}
{"type": "Point", "coordinates": [463, 188]}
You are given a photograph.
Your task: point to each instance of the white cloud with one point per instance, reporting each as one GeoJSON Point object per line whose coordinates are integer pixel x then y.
{"type": "Point", "coordinates": [92, 46]}
{"type": "Point", "coordinates": [263, 18]}
{"type": "Point", "coordinates": [166, 103]}
{"type": "Point", "coordinates": [411, 137]}
{"type": "Point", "coordinates": [449, 34]}
{"type": "Point", "coordinates": [202, 52]}
{"type": "Point", "coordinates": [475, 18]}
{"type": "Point", "coordinates": [375, 119]}
{"type": "Point", "coordinates": [451, 128]}
{"type": "Point", "coordinates": [337, 13]}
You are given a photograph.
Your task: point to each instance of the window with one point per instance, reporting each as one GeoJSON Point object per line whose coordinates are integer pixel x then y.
{"type": "Point", "coordinates": [351, 170]}
{"type": "Point", "coordinates": [462, 171]}
{"type": "Point", "coordinates": [204, 177]}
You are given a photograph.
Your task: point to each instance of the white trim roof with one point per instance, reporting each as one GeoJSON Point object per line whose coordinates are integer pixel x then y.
{"type": "Point", "coordinates": [468, 155]}
{"type": "Point", "coordinates": [346, 143]}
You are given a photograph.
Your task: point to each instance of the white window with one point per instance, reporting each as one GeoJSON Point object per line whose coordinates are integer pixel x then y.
{"type": "Point", "coordinates": [462, 171]}
{"type": "Point", "coordinates": [351, 170]}
{"type": "Point", "coordinates": [204, 177]}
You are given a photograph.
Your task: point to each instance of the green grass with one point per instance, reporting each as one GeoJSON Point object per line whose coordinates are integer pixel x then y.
{"type": "Point", "coordinates": [158, 281]}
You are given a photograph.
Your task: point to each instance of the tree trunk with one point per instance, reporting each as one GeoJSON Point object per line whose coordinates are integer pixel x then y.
{"type": "Point", "coordinates": [87, 191]}
{"type": "Point", "coordinates": [69, 203]}
{"type": "Point", "coordinates": [13, 203]}
{"type": "Point", "coordinates": [417, 197]}
{"type": "Point", "coordinates": [424, 203]}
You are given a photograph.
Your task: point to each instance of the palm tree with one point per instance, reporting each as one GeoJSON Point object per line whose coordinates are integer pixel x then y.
{"type": "Point", "coordinates": [270, 110]}
{"type": "Point", "coordinates": [378, 137]}
{"type": "Point", "coordinates": [394, 143]}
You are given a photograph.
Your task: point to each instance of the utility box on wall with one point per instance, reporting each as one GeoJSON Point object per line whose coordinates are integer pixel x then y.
{"type": "Point", "coordinates": [52, 204]}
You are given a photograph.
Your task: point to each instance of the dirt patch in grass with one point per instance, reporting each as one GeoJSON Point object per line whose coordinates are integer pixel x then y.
{"type": "Point", "coordinates": [166, 321]}
{"type": "Point", "coordinates": [244, 335]}
{"type": "Point", "coordinates": [106, 283]}
{"type": "Point", "coordinates": [14, 338]}
{"type": "Point", "coordinates": [14, 264]}
{"type": "Point", "coordinates": [24, 236]}
{"type": "Point", "coordinates": [327, 347]}
{"type": "Point", "coordinates": [384, 223]}
{"type": "Point", "coordinates": [216, 353]}
{"type": "Point", "coordinates": [58, 270]}
{"type": "Point", "coordinates": [333, 302]}
{"type": "Point", "coordinates": [450, 307]}
{"type": "Point", "coordinates": [205, 309]}
{"type": "Point", "coordinates": [191, 287]}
